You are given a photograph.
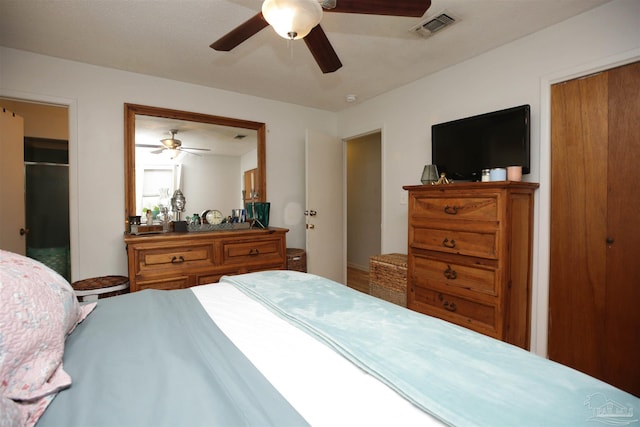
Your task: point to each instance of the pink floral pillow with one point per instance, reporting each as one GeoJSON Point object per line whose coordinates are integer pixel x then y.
{"type": "Point", "coordinates": [10, 415]}
{"type": "Point", "coordinates": [39, 310]}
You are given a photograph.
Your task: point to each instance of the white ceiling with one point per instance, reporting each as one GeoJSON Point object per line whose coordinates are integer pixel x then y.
{"type": "Point", "coordinates": [171, 38]}
{"type": "Point", "coordinates": [219, 140]}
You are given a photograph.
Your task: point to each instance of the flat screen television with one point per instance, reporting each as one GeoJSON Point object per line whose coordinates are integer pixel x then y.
{"type": "Point", "coordinates": [462, 148]}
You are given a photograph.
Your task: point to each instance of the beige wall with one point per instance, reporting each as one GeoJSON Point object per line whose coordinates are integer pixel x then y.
{"type": "Point", "coordinates": [40, 120]}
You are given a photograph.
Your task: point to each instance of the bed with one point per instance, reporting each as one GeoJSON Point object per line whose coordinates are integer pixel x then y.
{"type": "Point", "coordinates": [279, 348]}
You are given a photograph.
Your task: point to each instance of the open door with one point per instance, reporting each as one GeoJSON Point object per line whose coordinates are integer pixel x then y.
{"type": "Point", "coordinates": [12, 211]}
{"type": "Point", "coordinates": [324, 206]}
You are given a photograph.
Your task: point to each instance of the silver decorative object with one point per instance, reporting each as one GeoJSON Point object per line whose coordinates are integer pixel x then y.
{"type": "Point", "coordinates": [178, 202]}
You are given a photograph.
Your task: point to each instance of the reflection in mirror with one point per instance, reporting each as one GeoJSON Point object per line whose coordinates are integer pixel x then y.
{"type": "Point", "coordinates": [214, 161]}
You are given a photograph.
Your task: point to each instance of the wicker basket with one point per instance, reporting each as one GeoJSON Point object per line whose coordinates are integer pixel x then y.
{"type": "Point", "coordinates": [296, 260]}
{"type": "Point", "coordinates": [388, 278]}
{"type": "Point", "coordinates": [100, 287]}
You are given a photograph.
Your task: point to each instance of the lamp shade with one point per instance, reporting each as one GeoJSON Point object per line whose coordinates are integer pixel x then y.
{"type": "Point", "coordinates": [172, 153]}
{"type": "Point", "coordinates": [292, 19]}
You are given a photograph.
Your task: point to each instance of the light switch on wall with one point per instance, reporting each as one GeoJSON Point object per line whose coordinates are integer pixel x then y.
{"type": "Point", "coordinates": [404, 197]}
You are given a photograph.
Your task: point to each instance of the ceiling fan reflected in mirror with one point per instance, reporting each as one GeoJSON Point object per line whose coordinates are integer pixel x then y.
{"type": "Point", "coordinates": [296, 19]}
{"type": "Point", "coordinates": [172, 147]}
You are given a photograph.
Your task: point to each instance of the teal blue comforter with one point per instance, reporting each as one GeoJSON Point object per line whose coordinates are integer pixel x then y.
{"type": "Point", "coordinates": [460, 377]}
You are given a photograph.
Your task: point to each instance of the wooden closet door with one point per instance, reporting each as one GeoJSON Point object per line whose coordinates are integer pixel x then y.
{"type": "Point", "coordinates": [594, 282]}
{"type": "Point", "coordinates": [578, 223]}
{"type": "Point", "coordinates": [622, 305]}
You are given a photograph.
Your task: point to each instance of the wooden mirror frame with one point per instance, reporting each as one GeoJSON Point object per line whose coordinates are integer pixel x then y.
{"type": "Point", "coordinates": [130, 112]}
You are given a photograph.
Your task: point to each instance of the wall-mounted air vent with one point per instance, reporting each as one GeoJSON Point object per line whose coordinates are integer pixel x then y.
{"type": "Point", "coordinates": [431, 25]}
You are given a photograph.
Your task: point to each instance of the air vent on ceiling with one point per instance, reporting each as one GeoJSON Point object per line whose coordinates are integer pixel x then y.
{"type": "Point", "coordinates": [432, 25]}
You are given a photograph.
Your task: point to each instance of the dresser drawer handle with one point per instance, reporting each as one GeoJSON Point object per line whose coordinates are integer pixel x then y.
{"type": "Point", "coordinates": [450, 274]}
{"type": "Point", "coordinates": [449, 243]}
{"type": "Point", "coordinates": [254, 252]}
{"type": "Point", "coordinates": [449, 306]}
{"type": "Point", "coordinates": [177, 260]}
{"type": "Point", "coordinates": [451, 210]}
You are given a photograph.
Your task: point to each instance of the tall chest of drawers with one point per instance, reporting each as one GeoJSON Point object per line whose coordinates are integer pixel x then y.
{"type": "Point", "coordinates": [470, 254]}
{"type": "Point", "coordinates": [181, 260]}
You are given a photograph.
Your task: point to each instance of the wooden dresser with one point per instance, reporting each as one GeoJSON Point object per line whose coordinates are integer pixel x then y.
{"type": "Point", "coordinates": [181, 260]}
{"type": "Point", "coordinates": [469, 256]}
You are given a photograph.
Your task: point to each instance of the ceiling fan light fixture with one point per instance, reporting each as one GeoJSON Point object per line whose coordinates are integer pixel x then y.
{"type": "Point", "coordinates": [171, 142]}
{"type": "Point", "coordinates": [292, 19]}
{"type": "Point", "coordinates": [172, 153]}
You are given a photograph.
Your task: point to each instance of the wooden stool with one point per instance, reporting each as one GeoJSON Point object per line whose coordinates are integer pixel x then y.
{"type": "Point", "coordinates": [100, 287]}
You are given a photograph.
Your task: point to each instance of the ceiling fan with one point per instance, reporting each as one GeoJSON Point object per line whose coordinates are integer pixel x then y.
{"type": "Point", "coordinates": [173, 146]}
{"type": "Point", "coordinates": [310, 13]}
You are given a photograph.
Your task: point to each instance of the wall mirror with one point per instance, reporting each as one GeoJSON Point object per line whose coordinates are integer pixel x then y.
{"type": "Point", "coordinates": [215, 161]}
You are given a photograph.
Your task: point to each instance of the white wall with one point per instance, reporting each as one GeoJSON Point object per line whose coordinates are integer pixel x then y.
{"type": "Point", "coordinates": [218, 182]}
{"type": "Point", "coordinates": [514, 74]}
{"type": "Point", "coordinates": [96, 97]}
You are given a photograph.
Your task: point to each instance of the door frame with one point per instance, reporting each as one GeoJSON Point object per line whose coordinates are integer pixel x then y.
{"type": "Point", "coordinates": [72, 113]}
{"type": "Point", "coordinates": [542, 239]}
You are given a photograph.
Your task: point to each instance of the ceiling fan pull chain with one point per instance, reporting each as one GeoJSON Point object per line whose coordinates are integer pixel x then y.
{"type": "Point", "coordinates": [290, 46]}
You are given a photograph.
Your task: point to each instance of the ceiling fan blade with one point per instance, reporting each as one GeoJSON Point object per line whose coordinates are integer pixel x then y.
{"type": "Point", "coordinates": [190, 151]}
{"type": "Point", "coordinates": [239, 34]}
{"type": "Point", "coordinates": [158, 151]}
{"type": "Point", "coordinates": [148, 146]}
{"type": "Point", "coordinates": [322, 51]}
{"type": "Point", "coordinates": [198, 149]}
{"type": "Point", "coordinates": [410, 8]}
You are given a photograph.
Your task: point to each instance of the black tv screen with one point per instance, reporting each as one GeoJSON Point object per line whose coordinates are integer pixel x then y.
{"type": "Point", "coordinates": [462, 148]}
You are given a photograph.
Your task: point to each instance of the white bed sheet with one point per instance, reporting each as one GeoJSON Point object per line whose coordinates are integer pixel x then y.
{"type": "Point", "coordinates": [323, 386]}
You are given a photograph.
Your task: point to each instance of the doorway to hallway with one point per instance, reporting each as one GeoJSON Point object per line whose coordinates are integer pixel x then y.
{"type": "Point", "coordinates": [364, 205]}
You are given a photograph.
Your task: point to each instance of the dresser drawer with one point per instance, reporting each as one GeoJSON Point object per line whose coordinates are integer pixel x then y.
{"type": "Point", "coordinates": [465, 279]}
{"type": "Point", "coordinates": [462, 311]}
{"type": "Point", "coordinates": [483, 244]}
{"type": "Point", "coordinates": [165, 284]}
{"type": "Point", "coordinates": [160, 258]}
{"type": "Point", "coordinates": [253, 252]}
{"type": "Point", "coordinates": [452, 208]}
